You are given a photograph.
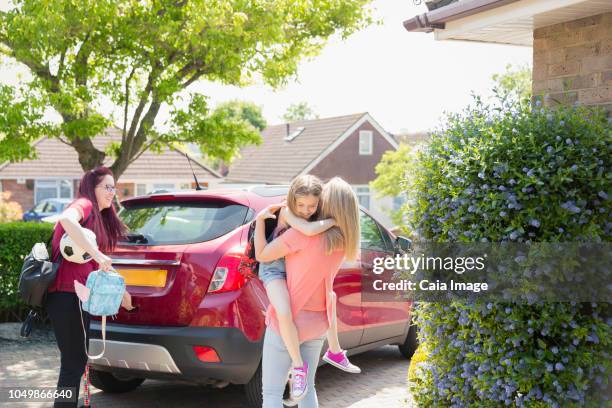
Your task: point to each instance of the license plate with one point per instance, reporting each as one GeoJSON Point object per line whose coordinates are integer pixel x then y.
{"type": "Point", "coordinates": [155, 278]}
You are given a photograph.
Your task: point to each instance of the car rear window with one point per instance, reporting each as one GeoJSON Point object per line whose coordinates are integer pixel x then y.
{"type": "Point", "coordinates": [166, 223]}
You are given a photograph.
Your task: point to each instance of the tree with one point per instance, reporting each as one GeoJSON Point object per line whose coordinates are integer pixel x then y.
{"type": "Point", "coordinates": [230, 120]}
{"type": "Point", "coordinates": [9, 210]}
{"type": "Point", "coordinates": [391, 171]}
{"type": "Point", "coordinates": [143, 56]}
{"type": "Point", "coordinates": [299, 111]}
{"type": "Point", "coordinates": [391, 174]}
{"type": "Point", "coordinates": [245, 111]}
{"type": "Point", "coordinates": [513, 84]}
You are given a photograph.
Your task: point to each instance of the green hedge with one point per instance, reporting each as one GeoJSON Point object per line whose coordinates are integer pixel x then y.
{"type": "Point", "coordinates": [16, 241]}
{"type": "Point", "coordinates": [516, 174]}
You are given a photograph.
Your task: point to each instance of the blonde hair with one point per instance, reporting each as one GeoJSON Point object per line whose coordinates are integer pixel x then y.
{"type": "Point", "coordinates": [303, 186]}
{"type": "Point", "coordinates": [338, 201]}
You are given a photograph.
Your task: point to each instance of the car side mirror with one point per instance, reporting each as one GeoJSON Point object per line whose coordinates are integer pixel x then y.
{"type": "Point", "coordinates": [403, 243]}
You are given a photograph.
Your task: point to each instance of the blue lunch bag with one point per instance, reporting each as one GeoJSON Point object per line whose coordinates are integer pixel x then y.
{"type": "Point", "coordinates": [106, 291]}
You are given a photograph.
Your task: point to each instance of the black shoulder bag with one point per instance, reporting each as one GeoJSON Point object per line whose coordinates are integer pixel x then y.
{"type": "Point", "coordinates": [37, 273]}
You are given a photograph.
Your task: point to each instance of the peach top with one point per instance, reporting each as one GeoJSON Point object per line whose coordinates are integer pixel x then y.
{"type": "Point", "coordinates": [310, 276]}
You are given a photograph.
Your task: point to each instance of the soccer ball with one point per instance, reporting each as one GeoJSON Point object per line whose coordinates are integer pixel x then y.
{"type": "Point", "coordinates": [74, 253]}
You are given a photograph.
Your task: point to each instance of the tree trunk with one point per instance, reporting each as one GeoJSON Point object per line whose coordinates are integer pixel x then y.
{"type": "Point", "coordinates": [89, 156]}
{"type": "Point", "coordinates": [136, 142]}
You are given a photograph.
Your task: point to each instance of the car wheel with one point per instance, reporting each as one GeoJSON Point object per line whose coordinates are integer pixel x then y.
{"type": "Point", "coordinates": [410, 345]}
{"type": "Point", "coordinates": [111, 383]}
{"type": "Point", "coordinates": [254, 388]}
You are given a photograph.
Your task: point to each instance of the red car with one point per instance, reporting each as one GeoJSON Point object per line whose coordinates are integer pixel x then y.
{"type": "Point", "coordinates": [199, 317]}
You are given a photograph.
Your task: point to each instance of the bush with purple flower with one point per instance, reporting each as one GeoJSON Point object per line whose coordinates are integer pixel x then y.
{"type": "Point", "coordinates": [554, 167]}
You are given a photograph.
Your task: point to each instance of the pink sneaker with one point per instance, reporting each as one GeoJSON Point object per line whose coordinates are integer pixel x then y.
{"type": "Point", "coordinates": [341, 361]}
{"type": "Point", "coordinates": [298, 382]}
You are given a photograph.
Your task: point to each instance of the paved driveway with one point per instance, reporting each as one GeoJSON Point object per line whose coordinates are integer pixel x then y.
{"type": "Point", "coordinates": [35, 362]}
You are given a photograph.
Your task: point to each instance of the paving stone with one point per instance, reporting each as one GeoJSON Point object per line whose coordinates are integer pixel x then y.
{"type": "Point", "coordinates": [382, 383]}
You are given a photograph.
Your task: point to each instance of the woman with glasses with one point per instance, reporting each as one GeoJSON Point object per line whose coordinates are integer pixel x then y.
{"type": "Point", "coordinates": [93, 209]}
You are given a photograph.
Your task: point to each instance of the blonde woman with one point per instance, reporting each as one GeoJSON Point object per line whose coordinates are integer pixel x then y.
{"type": "Point", "coordinates": [312, 262]}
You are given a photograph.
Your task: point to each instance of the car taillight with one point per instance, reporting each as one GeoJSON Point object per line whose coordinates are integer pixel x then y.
{"type": "Point", "coordinates": [227, 277]}
{"type": "Point", "coordinates": [206, 354]}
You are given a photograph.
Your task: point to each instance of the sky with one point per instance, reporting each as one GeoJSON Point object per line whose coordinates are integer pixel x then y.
{"type": "Point", "coordinates": [406, 81]}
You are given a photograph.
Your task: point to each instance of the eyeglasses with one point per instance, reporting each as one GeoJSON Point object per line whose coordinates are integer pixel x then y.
{"type": "Point", "coordinates": [110, 189]}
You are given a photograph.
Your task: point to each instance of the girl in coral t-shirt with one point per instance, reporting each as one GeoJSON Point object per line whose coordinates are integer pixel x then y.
{"type": "Point", "coordinates": [311, 264]}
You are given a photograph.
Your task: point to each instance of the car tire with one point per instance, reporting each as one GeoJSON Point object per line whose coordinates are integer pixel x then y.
{"type": "Point", "coordinates": [110, 383]}
{"type": "Point", "coordinates": [253, 388]}
{"type": "Point", "coordinates": [411, 343]}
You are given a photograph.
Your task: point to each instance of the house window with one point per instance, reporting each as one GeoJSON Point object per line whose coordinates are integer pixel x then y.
{"type": "Point", "coordinates": [294, 134]}
{"type": "Point", "coordinates": [363, 195]}
{"type": "Point", "coordinates": [163, 186]}
{"type": "Point", "coordinates": [141, 189]}
{"type": "Point", "coordinates": [65, 189]}
{"type": "Point", "coordinates": [44, 189]}
{"type": "Point", "coordinates": [149, 188]}
{"type": "Point", "coordinates": [365, 142]}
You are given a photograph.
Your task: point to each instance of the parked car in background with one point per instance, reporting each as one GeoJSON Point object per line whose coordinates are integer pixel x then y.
{"type": "Point", "coordinates": [48, 207]}
{"type": "Point", "coordinates": [200, 313]}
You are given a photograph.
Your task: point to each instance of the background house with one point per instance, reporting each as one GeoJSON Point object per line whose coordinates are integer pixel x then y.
{"type": "Point", "coordinates": [571, 40]}
{"type": "Point", "coordinates": [56, 172]}
{"type": "Point", "coordinates": [347, 146]}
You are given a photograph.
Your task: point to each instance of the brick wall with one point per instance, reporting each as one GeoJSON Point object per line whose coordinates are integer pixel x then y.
{"type": "Point", "coordinates": [346, 162]}
{"type": "Point", "coordinates": [572, 62]}
{"type": "Point", "coordinates": [20, 193]}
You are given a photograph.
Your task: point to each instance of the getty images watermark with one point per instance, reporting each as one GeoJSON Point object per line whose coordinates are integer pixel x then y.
{"type": "Point", "coordinates": [515, 272]}
{"type": "Point", "coordinates": [410, 265]}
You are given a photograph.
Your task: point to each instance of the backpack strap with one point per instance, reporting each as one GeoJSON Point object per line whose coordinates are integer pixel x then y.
{"type": "Point", "coordinates": [86, 395]}
{"type": "Point", "coordinates": [95, 357]}
{"type": "Point", "coordinates": [85, 333]}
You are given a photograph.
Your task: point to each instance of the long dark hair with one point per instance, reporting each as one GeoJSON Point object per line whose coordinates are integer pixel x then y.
{"type": "Point", "coordinates": [105, 224]}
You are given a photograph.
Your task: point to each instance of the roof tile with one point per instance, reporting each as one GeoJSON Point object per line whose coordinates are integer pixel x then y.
{"type": "Point", "coordinates": [58, 160]}
{"type": "Point", "coordinates": [279, 161]}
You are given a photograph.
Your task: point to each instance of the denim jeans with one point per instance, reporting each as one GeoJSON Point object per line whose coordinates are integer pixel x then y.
{"type": "Point", "coordinates": [268, 271]}
{"type": "Point", "coordinates": [276, 364]}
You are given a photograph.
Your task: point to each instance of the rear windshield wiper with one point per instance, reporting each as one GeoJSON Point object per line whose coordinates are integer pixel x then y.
{"type": "Point", "coordinates": [136, 237]}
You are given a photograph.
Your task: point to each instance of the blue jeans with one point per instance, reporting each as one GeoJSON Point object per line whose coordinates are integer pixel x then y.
{"type": "Point", "coordinates": [276, 364]}
{"type": "Point", "coordinates": [268, 271]}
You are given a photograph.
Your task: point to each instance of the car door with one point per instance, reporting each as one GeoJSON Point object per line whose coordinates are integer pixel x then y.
{"type": "Point", "coordinates": [347, 286]}
{"type": "Point", "coordinates": [36, 213]}
{"type": "Point", "coordinates": [382, 318]}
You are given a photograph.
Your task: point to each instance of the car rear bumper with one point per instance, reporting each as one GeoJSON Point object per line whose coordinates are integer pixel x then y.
{"type": "Point", "coordinates": [162, 352]}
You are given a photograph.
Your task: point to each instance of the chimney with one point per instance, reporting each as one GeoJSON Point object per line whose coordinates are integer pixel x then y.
{"type": "Point", "coordinates": [287, 133]}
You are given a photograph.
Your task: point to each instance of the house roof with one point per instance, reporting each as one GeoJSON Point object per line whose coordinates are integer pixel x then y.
{"type": "Point", "coordinates": [500, 21]}
{"type": "Point", "coordinates": [278, 160]}
{"type": "Point", "coordinates": [56, 159]}
{"type": "Point", "coordinates": [435, 4]}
